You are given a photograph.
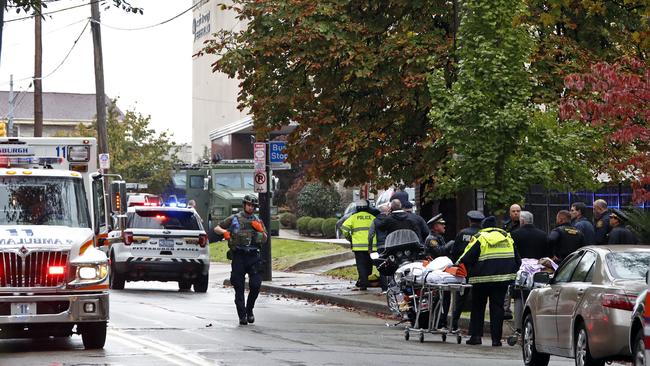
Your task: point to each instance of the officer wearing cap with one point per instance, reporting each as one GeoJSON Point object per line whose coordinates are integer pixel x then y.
{"type": "Point", "coordinates": [619, 233]}
{"type": "Point", "coordinates": [245, 233]}
{"type": "Point", "coordinates": [435, 242]}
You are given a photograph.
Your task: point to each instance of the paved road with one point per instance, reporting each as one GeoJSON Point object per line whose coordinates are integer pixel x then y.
{"type": "Point", "coordinates": [152, 324]}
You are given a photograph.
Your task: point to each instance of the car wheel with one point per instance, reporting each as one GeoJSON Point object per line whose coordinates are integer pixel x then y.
{"type": "Point", "coordinates": [115, 279]}
{"type": "Point", "coordinates": [93, 335]}
{"type": "Point", "coordinates": [201, 284]}
{"type": "Point", "coordinates": [638, 349]}
{"type": "Point", "coordinates": [581, 350]}
{"type": "Point", "coordinates": [531, 356]}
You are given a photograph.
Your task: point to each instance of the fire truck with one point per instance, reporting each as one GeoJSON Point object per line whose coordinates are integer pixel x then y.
{"type": "Point", "coordinates": [53, 216]}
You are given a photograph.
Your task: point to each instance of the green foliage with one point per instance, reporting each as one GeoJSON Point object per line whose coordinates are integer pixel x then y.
{"type": "Point", "coordinates": [329, 228]}
{"type": "Point", "coordinates": [288, 220]}
{"type": "Point", "coordinates": [315, 226]}
{"type": "Point", "coordinates": [303, 225]}
{"type": "Point", "coordinates": [498, 143]}
{"type": "Point", "coordinates": [639, 223]}
{"type": "Point", "coordinates": [138, 153]}
{"type": "Point", "coordinates": [319, 200]}
{"type": "Point", "coordinates": [351, 74]}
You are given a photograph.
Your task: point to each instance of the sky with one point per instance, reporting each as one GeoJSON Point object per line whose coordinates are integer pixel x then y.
{"type": "Point", "coordinates": [149, 71]}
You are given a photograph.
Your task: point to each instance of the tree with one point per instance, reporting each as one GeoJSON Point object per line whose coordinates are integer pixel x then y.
{"type": "Point", "coordinates": [352, 74]}
{"type": "Point", "coordinates": [497, 142]}
{"type": "Point", "coordinates": [571, 35]}
{"type": "Point", "coordinates": [138, 153]}
{"type": "Point", "coordinates": [613, 99]}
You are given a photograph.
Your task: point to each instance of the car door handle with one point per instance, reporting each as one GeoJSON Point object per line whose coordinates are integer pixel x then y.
{"type": "Point", "coordinates": [581, 291]}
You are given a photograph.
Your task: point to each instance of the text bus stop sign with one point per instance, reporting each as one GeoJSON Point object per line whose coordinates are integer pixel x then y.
{"type": "Point", "coordinates": [277, 157]}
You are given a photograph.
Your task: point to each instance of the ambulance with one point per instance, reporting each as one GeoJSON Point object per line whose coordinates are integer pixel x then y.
{"type": "Point", "coordinates": [53, 217]}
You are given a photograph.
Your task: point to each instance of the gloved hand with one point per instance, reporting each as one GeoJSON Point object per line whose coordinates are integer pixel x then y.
{"type": "Point", "coordinates": [226, 235]}
{"type": "Point", "coordinates": [258, 226]}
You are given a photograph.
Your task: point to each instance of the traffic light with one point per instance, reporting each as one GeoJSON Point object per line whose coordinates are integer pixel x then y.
{"type": "Point", "coordinates": [3, 129]}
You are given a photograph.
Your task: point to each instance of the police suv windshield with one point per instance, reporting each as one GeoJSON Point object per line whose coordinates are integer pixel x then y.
{"type": "Point", "coordinates": [43, 201]}
{"type": "Point", "coordinates": [162, 219]}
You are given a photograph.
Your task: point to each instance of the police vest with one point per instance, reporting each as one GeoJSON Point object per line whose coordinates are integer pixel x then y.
{"type": "Point", "coordinates": [356, 227]}
{"type": "Point", "coordinates": [242, 234]}
{"type": "Point", "coordinates": [496, 262]}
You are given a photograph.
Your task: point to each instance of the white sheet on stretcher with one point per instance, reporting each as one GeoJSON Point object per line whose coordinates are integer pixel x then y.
{"type": "Point", "coordinates": [416, 273]}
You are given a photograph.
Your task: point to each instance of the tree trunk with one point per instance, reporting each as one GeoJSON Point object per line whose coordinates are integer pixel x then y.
{"type": "Point", "coordinates": [38, 73]}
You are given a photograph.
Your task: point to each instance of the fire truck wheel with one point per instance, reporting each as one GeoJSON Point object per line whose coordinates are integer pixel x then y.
{"type": "Point", "coordinates": [201, 283]}
{"type": "Point", "coordinates": [93, 335]}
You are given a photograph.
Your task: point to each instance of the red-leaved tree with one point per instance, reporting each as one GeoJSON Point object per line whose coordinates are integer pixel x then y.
{"type": "Point", "coordinates": [615, 98]}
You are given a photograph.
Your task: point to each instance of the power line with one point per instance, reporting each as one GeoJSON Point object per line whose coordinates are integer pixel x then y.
{"type": "Point", "coordinates": [51, 12]}
{"type": "Point", "coordinates": [52, 31]}
{"type": "Point", "coordinates": [148, 26]}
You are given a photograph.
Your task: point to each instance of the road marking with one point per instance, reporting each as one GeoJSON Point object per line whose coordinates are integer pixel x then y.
{"type": "Point", "coordinates": [163, 350]}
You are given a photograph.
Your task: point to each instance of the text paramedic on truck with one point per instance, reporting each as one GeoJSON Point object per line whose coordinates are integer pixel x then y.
{"type": "Point", "coordinates": [53, 280]}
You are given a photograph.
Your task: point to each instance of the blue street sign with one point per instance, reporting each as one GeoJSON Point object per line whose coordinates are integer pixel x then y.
{"type": "Point", "coordinates": [277, 157]}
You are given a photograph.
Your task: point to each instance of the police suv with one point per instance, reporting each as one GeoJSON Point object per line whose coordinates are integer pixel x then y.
{"type": "Point", "coordinates": [160, 244]}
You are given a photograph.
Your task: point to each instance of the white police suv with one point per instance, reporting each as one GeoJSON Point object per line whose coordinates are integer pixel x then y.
{"type": "Point", "coordinates": [160, 244]}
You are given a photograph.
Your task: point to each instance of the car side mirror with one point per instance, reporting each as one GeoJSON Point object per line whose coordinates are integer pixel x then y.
{"type": "Point", "coordinates": [541, 278]}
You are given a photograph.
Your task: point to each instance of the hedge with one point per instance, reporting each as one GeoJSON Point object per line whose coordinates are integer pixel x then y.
{"type": "Point", "coordinates": [288, 220]}
{"type": "Point", "coordinates": [315, 226]}
{"type": "Point", "coordinates": [303, 225]}
{"type": "Point", "coordinates": [329, 228]}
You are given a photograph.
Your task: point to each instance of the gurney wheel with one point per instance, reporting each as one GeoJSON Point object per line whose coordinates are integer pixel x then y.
{"type": "Point", "coordinates": [406, 335]}
{"type": "Point", "coordinates": [512, 340]}
{"type": "Point", "coordinates": [421, 337]}
{"type": "Point", "coordinates": [459, 339]}
{"type": "Point", "coordinates": [444, 338]}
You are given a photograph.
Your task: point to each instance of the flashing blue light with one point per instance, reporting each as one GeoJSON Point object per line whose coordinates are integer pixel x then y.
{"type": "Point", "coordinates": [181, 205]}
{"type": "Point", "coordinates": [173, 204]}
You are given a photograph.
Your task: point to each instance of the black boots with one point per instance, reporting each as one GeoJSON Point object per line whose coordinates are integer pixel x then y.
{"type": "Point", "coordinates": [472, 341]}
{"type": "Point", "coordinates": [250, 317]}
{"type": "Point", "coordinates": [243, 321]}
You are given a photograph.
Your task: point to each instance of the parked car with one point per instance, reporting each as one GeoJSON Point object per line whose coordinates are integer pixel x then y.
{"type": "Point", "coordinates": [144, 199]}
{"type": "Point", "coordinates": [640, 329]}
{"type": "Point", "coordinates": [584, 311]}
{"type": "Point", "coordinates": [160, 244]}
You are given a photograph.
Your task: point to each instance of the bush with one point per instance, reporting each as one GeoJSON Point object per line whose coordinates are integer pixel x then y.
{"type": "Point", "coordinates": [329, 228]}
{"type": "Point", "coordinates": [315, 226]}
{"type": "Point", "coordinates": [303, 225]}
{"type": "Point", "coordinates": [318, 200]}
{"type": "Point", "coordinates": [288, 220]}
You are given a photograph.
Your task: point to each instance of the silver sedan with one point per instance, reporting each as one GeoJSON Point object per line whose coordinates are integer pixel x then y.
{"type": "Point", "coordinates": [584, 311]}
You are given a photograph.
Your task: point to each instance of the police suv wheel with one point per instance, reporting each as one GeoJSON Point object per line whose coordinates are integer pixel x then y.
{"type": "Point", "coordinates": [93, 335]}
{"type": "Point", "coordinates": [201, 284]}
{"type": "Point", "coordinates": [116, 280]}
{"type": "Point", "coordinates": [184, 285]}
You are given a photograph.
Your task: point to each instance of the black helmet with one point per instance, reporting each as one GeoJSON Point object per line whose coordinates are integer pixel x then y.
{"type": "Point", "coordinates": [249, 198]}
{"type": "Point", "coordinates": [361, 205]}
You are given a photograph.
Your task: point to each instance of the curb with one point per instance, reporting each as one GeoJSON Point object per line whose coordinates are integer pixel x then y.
{"type": "Point", "coordinates": [321, 261]}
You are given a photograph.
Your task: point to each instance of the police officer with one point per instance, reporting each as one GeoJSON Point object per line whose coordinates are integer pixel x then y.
{"type": "Point", "coordinates": [619, 233]}
{"type": "Point", "coordinates": [564, 239]}
{"type": "Point", "coordinates": [245, 233]}
{"type": "Point", "coordinates": [582, 223]}
{"type": "Point", "coordinates": [356, 229]}
{"type": "Point", "coordinates": [461, 241]}
{"type": "Point", "coordinates": [492, 264]}
{"type": "Point", "coordinates": [601, 221]}
{"type": "Point", "coordinates": [435, 245]}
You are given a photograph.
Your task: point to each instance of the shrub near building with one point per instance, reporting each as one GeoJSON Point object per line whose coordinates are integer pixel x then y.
{"type": "Point", "coordinates": [318, 200]}
{"type": "Point", "coordinates": [329, 228]}
{"type": "Point", "coordinates": [288, 220]}
{"type": "Point", "coordinates": [303, 225]}
{"type": "Point", "coordinates": [315, 226]}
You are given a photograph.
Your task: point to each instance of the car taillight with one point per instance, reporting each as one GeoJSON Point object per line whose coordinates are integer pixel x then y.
{"type": "Point", "coordinates": [127, 237]}
{"type": "Point", "coordinates": [618, 301]}
{"type": "Point", "coordinates": [55, 270]}
{"type": "Point", "coordinates": [203, 240]}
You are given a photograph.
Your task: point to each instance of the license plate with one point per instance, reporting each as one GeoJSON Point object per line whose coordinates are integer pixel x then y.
{"type": "Point", "coordinates": [23, 308]}
{"type": "Point", "coordinates": [166, 243]}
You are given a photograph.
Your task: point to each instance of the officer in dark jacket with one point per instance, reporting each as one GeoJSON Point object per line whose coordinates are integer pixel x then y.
{"type": "Point", "coordinates": [601, 221]}
{"type": "Point", "coordinates": [619, 233]}
{"type": "Point", "coordinates": [582, 223]}
{"type": "Point", "coordinates": [530, 241]}
{"type": "Point", "coordinates": [459, 244]}
{"type": "Point", "coordinates": [399, 219]}
{"type": "Point", "coordinates": [435, 244]}
{"type": "Point", "coordinates": [564, 239]}
{"type": "Point", "coordinates": [401, 195]}
{"type": "Point", "coordinates": [245, 233]}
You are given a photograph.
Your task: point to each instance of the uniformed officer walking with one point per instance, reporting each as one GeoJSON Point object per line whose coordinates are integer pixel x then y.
{"type": "Point", "coordinates": [492, 263]}
{"type": "Point", "coordinates": [564, 239]}
{"type": "Point", "coordinates": [245, 233]}
{"type": "Point", "coordinates": [356, 229]}
{"type": "Point", "coordinates": [601, 221]}
{"type": "Point", "coordinates": [619, 233]}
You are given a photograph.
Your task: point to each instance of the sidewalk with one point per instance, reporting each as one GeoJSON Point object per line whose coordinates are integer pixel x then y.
{"type": "Point", "coordinates": [293, 235]}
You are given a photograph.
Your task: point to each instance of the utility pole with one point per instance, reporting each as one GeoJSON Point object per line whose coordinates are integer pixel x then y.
{"type": "Point", "coordinates": [38, 73]}
{"type": "Point", "coordinates": [12, 106]}
{"type": "Point", "coordinates": [100, 96]}
{"type": "Point", "coordinates": [265, 215]}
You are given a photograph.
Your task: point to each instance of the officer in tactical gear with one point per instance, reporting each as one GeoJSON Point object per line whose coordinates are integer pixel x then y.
{"type": "Point", "coordinates": [564, 239]}
{"type": "Point", "coordinates": [245, 233]}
